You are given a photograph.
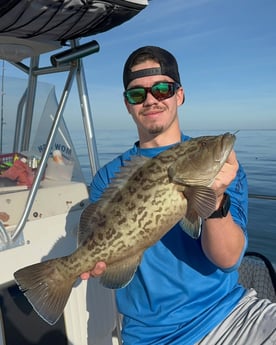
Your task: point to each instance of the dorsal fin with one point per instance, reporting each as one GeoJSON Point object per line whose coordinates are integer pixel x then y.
{"type": "Point", "coordinates": [84, 224]}
{"type": "Point", "coordinates": [122, 177]}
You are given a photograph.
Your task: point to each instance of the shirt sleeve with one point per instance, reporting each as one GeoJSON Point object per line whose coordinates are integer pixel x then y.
{"type": "Point", "coordinates": [98, 185]}
{"type": "Point", "coordinates": [105, 175]}
{"type": "Point", "coordinates": [238, 191]}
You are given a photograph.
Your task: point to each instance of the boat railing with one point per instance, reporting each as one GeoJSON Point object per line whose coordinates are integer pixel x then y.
{"type": "Point", "coordinates": [261, 196]}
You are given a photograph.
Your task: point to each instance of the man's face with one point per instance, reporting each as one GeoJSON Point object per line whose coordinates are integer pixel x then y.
{"type": "Point", "coordinates": [154, 117]}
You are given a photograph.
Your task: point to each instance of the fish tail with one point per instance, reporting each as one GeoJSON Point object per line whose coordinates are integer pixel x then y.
{"type": "Point", "coordinates": [46, 287]}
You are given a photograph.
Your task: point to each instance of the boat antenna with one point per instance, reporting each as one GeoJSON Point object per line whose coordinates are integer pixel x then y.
{"type": "Point", "coordinates": [2, 122]}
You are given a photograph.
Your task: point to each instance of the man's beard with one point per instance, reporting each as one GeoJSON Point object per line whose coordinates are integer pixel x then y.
{"type": "Point", "coordinates": [156, 129]}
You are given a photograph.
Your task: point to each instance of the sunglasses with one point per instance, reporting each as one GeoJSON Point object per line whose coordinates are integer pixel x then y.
{"type": "Point", "coordinates": [160, 91]}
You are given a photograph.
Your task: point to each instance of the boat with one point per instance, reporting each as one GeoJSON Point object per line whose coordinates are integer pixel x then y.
{"type": "Point", "coordinates": [39, 218]}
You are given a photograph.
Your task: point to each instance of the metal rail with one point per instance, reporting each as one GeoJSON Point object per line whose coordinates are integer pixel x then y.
{"type": "Point", "coordinates": [33, 191]}
{"type": "Point", "coordinates": [75, 68]}
{"type": "Point", "coordinates": [261, 196]}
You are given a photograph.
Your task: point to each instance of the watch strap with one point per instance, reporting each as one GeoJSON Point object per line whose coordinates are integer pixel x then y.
{"type": "Point", "coordinates": [223, 210]}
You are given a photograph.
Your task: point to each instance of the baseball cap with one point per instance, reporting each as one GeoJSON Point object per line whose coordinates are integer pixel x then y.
{"type": "Point", "coordinates": [168, 65]}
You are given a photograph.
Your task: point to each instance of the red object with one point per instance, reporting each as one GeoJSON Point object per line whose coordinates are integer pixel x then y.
{"type": "Point", "coordinates": [20, 172]}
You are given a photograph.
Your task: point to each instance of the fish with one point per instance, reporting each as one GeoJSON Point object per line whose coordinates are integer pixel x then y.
{"type": "Point", "coordinates": [142, 203]}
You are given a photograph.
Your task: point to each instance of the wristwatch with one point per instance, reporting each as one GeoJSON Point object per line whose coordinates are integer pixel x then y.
{"type": "Point", "coordinates": [223, 209]}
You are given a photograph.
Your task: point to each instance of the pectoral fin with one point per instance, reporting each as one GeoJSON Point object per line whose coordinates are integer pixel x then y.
{"type": "Point", "coordinates": [192, 226]}
{"type": "Point", "coordinates": [120, 274]}
{"type": "Point", "coordinates": [201, 203]}
{"type": "Point", "coordinates": [201, 199]}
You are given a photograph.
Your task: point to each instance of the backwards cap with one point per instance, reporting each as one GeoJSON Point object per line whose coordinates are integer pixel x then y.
{"type": "Point", "coordinates": [168, 65]}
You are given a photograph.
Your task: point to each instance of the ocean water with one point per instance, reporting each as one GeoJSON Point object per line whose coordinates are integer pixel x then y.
{"type": "Point", "coordinates": [256, 151]}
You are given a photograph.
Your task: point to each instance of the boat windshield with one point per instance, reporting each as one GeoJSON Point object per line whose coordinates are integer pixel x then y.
{"type": "Point", "coordinates": [14, 134]}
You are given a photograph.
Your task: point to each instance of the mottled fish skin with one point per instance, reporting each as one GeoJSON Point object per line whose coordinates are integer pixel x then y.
{"type": "Point", "coordinates": [144, 201]}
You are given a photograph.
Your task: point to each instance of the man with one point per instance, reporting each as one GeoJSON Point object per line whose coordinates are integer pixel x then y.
{"type": "Point", "coordinates": [185, 291]}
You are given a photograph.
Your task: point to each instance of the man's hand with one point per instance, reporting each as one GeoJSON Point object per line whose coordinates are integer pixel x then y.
{"type": "Point", "coordinates": [225, 176]}
{"type": "Point", "coordinates": [97, 271]}
{"type": "Point", "coordinates": [222, 239]}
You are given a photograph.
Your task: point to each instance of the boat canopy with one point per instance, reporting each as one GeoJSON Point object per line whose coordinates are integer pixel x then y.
{"type": "Point", "coordinates": [31, 27]}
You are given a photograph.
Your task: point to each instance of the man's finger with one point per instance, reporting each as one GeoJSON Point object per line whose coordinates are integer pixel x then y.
{"type": "Point", "coordinates": [97, 271]}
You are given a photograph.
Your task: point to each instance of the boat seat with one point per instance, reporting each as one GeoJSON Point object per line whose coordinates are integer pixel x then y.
{"type": "Point", "coordinates": [257, 272]}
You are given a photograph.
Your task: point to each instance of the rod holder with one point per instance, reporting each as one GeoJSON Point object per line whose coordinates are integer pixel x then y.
{"type": "Point", "coordinates": [75, 53]}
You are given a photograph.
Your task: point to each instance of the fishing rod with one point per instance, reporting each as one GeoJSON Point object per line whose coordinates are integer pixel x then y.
{"type": "Point", "coordinates": [2, 108]}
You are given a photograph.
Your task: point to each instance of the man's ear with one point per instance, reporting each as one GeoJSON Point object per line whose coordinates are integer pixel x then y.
{"type": "Point", "coordinates": [180, 96]}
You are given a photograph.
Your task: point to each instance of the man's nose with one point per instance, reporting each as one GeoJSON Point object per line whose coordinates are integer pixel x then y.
{"type": "Point", "coordinates": [150, 99]}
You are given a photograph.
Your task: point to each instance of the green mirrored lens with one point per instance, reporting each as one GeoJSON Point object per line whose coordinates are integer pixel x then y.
{"type": "Point", "coordinates": [135, 96]}
{"type": "Point", "coordinates": [162, 90]}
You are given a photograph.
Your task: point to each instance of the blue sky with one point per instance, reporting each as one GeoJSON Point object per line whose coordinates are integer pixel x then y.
{"type": "Point", "coordinates": [226, 52]}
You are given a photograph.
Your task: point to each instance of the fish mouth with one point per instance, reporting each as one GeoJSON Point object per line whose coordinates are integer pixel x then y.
{"type": "Point", "coordinates": [228, 139]}
{"type": "Point", "coordinates": [226, 145]}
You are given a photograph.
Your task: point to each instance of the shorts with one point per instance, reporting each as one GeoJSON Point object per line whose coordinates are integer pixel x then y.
{"type": "Point", "coordinates": [252, 322]}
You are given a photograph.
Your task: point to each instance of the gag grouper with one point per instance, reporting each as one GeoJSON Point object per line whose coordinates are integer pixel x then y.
{"type": "Point", "coordinates": [143, 202]}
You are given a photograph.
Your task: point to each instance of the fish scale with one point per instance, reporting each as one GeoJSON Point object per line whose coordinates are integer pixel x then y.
{"type": "Point", "coordinates": [143, 202]}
